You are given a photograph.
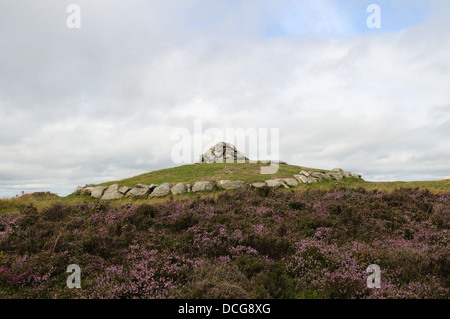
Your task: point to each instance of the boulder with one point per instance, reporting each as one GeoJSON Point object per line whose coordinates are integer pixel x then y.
{"type": "Point", "coordinates": [225, 184]}
{"type": "Point", "coordinates": [124, 190]}
{"type": "Point", "coordinates": [161, 190]}
{"type": "Point", "coordinates": [222, 152]}
{"type": "Point", "coordinates": [112, 193]}
{"type": "Point", "coordinates": [302, 179]}
{"type": "Point", "coordinates": [87, 190]}
{"type": "Point", "coordinates": [290, 181]}
{"type": "Point", "coordinates": [313, 180]}
{"type": "Point", "coordinates": [318, 175]}
{"type": "Point", "coordinates": [336, 175]}
{"type": "Point", "coordinates": [328, 175]}
{"type": "Point", "coordinates": [276, 183]}
{"type": "Point", "coordinates": [305, 173]}
{"type": "Point", "coordinates": [79, 190]}
{"type": "Point", "coordinates": [152, 187]}
{"type": "Point", "coordinates": [258, 184]}
{"type": "Point", "coordinates": [203, 186]}
{"type": "Point", "coordinates": [188, 188]}
{"type": "Point", "coordinates": [98, 191]}
{"type": "Point", "coordinates": [179, 188]}
{"type": "Point", "coordinates": [140, 190]}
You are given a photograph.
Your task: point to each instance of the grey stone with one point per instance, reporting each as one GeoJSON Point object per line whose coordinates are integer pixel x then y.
{"type": "Point", "coordinates": [328, 175]}
{"type": "Point", "coordinates": [124, 190]}
{"type": "Point", "coordinates": [79, 190]}
{"type": "Point", "coordinates": [318, 175]}
{"type": "Point", "coordinates": [302, 179]}
{"type": "Point", "coordinates": [139, 191]}
{"type": "Point", "coordinates": [152, 187]}
{"type": "Point", "coordinates": [290, 181]}
{"type": "Point", "coordinates": [87, 190]}
{"type": "Point", "coordinates": [112, 193]}
{"type": "Point", "coordinates": [313, 180]}
{"type": "Point", "coordinates": [161, 190]}
{"type": "Point", "coordinates": [276, 183]}
{"type": "Point", "coordinates": [225, 184]}
{"type": "Point", "coordinates": [222, 152]}
{"type": "Point", "coordinates": [179, 188]}
{"type": "Point", "coordinates": [336, 175]}
{"type": "Point", "coordinates": [305, 173]}
{"type": "Point", "coordinates": [258, 184]}
{"type": "Point", "coordinates": [98, 191]}
{"type": "Point", "coordinates": [203, 186]}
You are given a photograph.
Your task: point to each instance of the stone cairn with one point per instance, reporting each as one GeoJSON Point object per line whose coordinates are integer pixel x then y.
{"type": "Point", "coordinates": [221, 152]}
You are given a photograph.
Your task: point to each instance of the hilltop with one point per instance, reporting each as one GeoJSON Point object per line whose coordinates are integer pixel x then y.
{"type": "Point", "coordinates": [248, 172]}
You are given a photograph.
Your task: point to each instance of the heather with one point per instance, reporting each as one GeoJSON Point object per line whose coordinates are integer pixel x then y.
{"type": "Point", "coordinates": [261, 243]}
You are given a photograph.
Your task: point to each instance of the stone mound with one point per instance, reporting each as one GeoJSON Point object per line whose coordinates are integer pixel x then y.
{"type": "Point", "coordinates": [153, 190]}
{"type": "Point", "coordinates": [222, 152]}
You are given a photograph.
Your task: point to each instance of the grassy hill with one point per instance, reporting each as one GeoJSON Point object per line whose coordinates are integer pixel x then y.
{"type": "Point", "coordinates": [250, 172]}
{"type": "Point", "coordinates": [247, 172]}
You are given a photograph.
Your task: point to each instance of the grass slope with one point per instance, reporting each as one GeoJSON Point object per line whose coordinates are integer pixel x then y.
{"type": "Point", "coordinates": [210, 172]}
{"type": "Point", "coordinates": [247, 172]}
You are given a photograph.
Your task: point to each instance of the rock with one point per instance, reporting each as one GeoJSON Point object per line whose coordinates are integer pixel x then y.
{"type": "Point", "coordinates": [318, 175]}
{"type": "Point", "coordinates": [203, 186]}
{"type": "Point", "coordinates": [139, 191]}
{"type": "Point", "coordinates": [276, 183]}
{"type": "Point", "coordinates": [87, 190]}
{"type": "Point", "coordinates": [79, 190]}
{"type": "Point", "coordinates": [336, 175]}
{"type": "Point", "coordinates": [98, 191]}
{"type": "Point", "coordinates": [305, 173]}
{"type": "Point", "coordinates": [112, 193]}
{"type": "Point", "coordinates": [328, 175]}
{"type": "Point", "coordinates": [225, 184]}
{"type": "Point", "coordinates": [188, 188]}
{"type": "Point", "coordinates": [152, 187]}
{"type": "Point", "coordinates": [179, 188]}
{"type": "Point", "coordinates": [161, 190]}
{"type": "Point", "coordinates": [290, 181]}
{"type": "Point", "coordinates": [124, 190]}
{"type": "Point", "coordinates": [258, 184]}
{"type": "Point", "coordinates": [302, 179]}
{"type": "Point", "coordinates": [222, 152]}
{"type": "Point", "coordinates": [313, 180]}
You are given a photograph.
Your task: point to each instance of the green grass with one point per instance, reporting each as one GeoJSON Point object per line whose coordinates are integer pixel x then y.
{"type": "Point", "coordinates": [247, 172]}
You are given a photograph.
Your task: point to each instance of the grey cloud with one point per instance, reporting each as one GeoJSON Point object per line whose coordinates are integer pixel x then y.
{"type": "Point", "coordinates": [100, 103]}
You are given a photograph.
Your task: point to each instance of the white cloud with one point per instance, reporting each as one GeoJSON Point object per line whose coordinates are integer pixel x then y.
{"type": "Point", "coordinates": [101, 104]}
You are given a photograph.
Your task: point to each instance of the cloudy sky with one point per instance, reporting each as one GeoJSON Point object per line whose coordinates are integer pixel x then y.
{"type": "Point", "coordinates": [101, 102]}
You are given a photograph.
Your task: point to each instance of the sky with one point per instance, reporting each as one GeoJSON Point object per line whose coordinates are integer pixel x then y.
{"type": "Point", "coordinates": [100, 103]}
